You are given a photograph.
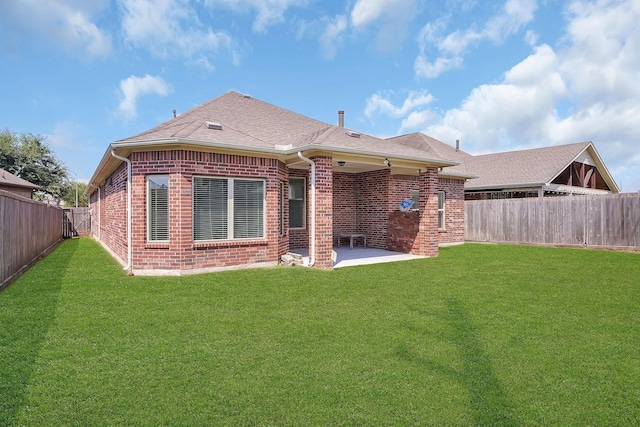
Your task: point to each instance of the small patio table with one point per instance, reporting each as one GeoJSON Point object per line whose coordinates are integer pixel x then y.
{"type": "Point", "coordinates": [352, 236]}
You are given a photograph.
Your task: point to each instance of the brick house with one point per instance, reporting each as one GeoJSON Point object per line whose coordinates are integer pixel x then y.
{"type": "Point", "coordinates": [237, 182]}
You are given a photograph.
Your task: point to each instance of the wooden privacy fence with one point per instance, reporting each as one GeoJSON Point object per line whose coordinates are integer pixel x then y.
{"type": "Point", "coordinates": [30, 229]}
{"type": "Point", "coordinates": [611, 221]}
{"type": "Point", "coordinates": [76, 222]}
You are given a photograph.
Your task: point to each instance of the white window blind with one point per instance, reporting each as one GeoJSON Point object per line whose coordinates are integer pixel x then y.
{"type": "Point", "coordinates": [227, 208]}
{"type": "Point", "coordinates": [248, 209]}
{"type": "Point", "coordinates": [158, 208]}
{"type": "Point", "coordinates": [440, 209]}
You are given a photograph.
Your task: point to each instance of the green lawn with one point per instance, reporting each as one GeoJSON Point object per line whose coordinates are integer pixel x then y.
{"type": "Point", "coordinates": [481, 335]}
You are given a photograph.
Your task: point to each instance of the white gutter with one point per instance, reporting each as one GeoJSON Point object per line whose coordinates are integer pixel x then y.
{"type": "Point", "coordinates": [98, 209]}
{"type": "Point", "coordinates": [312, 233]}
{"type": "Point", "coordinates": [129, 252]}
{"type": "Point", "coordinates": [281, 151]}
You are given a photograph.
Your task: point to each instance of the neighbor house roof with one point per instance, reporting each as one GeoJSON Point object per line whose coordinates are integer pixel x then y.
{"type": "Point", "coordinates": [10, 180]}
{"type": "Point", "coordinates": [240, 123]}
{"type": "Point", "coordinates": [533, 168]}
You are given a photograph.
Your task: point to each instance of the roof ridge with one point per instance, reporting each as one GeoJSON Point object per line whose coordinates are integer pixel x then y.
{"type": "Point", "coordinates": [550, 147]}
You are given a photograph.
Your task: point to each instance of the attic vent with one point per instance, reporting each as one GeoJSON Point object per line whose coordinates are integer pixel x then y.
{"type": "Point", "coordinates": [353, 134]}
{"type": "Point", "coordinates": [214, 125]}
{"type": "Point", "coordinates": [246, 95]}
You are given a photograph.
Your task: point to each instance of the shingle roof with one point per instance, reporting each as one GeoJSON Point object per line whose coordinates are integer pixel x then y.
{"type": "Point", "coordinates": [8, 179]}
{"type": "Point", "coordinates": [437, 149]}
{"type": "Point", "coordinates": [522, 167]}
{"type": "Point", "coordinates": [249, 123]}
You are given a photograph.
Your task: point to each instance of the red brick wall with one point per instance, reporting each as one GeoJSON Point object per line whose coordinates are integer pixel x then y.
{"type": "Point", "coordinates": [181, 252]}
{"type": "Point", "coordinates": [404, 227]}
{"type": "Point", "coordinates": [403, 231]}
{"type": "Point", "coordinates": [363, 203]}
{"type": "Point", "coordinates": [426, 243]}
{"type": "Point", "coordinates": [97, 212]}
{"type": "Point", "coordinates": [324, 211]}
{"type": "Point", "coordinates": [345, 201]}
{"type": "Point", "coordinates": [453, 231]}
{"type": "Point", "coordinates": [372, 206]}
{"type": "Point", "coordinates": [113, 212]}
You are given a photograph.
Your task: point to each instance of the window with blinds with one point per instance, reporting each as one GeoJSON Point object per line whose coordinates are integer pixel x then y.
{"type": "Point", "coordinates": [158, 208]}
{"type": "Point", "coordinates": [227, 208]}
{"type": "Point", "coordinates": [440, 209]}
{"type": "Point", "coordinates": [415, 198]}
{"type": "Point", "coordinates": [297, 205]}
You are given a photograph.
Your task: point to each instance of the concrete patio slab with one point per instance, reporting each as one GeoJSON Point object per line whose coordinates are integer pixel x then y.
{"type": "Point", "coordinates": [360, 256]}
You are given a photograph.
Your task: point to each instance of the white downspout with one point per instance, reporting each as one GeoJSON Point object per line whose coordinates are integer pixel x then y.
{"type": "Point", "coordinates": [129, 251]}
{"type": "Point", "coordinates": [312, 233]}
{"type": "Point", "coordinates": [99, 198]}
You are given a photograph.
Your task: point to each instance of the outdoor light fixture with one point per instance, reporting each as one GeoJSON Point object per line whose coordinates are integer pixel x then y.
{"type": "Point", "coordinates": [341, 163]}
{"type": "Point", "coordinates": [387, 163]}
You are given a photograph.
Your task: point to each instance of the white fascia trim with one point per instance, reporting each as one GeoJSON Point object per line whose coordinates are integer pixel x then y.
{"type": "Point", "coordinates": [288, 151]}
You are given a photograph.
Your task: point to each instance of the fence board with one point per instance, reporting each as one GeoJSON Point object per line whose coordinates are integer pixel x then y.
{"type": "Point", "coordinates": [604, 221]}
{"type": "Point", "coordinates": [29, 229]}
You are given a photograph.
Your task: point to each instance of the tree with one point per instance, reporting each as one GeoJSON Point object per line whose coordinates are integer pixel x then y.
{"type": "Point", "coordinates": [73, 190]}
{"type": "Point", "coordinates": [29, 157]}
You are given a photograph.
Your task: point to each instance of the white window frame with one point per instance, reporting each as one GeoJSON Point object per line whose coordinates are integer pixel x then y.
{"type": "Point", "coordinates": [230, 208]}
{"type": "Point", "coordinates": [441, 209]}
{"type": "Point", "coordinates": [304, 202]}
{"type": "Point", "coordinates": [151, 211]}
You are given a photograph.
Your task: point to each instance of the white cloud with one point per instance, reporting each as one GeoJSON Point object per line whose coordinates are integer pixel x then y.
{"type": "Point", "coordinates": [431, 70]}
{"type": "Point", "coordinates": [366, 11]}
{"type": "Point", "coordinates": [531, 38]}
{"type": "Point", "coordinates": [170, 27]}
{"type": "Point", "coordinates": [332, 36]}
{"type": "Point", "coordinates": [268, 12]}
{"type": "Point", "coordinates": [586, 90]}
{"type": "Point", "coordinates": [451, 47]}
{"type": "Point", "coordinates": [602, 62]}
{"type": "Point", "coordinates": [378, 105]}
{"type": "Point", "coordinates": [391, 16]}
{"type": "Point", "coordinates": [67, 136]}
{"type": "Point", "coordinates": [66, 23]}
{"type": "Point", "coordinates": [134, 87]}
{"type": "Point", "coordinates": [516, 13]}
{"type": "Point", "coordinates": [416, 120]}
{"type": "Point", "coordinates": [521, 110]}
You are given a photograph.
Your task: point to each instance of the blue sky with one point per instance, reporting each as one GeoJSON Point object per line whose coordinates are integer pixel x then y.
{"type": "Point", "coordinates": [498, 75]}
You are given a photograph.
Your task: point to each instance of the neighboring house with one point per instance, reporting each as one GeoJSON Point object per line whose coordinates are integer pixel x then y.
{"type": "Point", "coordinates": [238, 182]}
{"type": "Point", "coordinates": [16, 185]}
{"type": "Point", "coordinates": [549, 171]}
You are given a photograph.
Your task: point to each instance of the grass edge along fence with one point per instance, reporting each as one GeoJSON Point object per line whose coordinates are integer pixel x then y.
{"type": "Point", "coordinates": [30, 229]}
{"type": "Point", "coordinates": [607, 221]}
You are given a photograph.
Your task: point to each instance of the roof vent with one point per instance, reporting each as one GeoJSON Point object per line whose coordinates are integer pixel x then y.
{"type": "Point", "coordinates": [214, 125]}
{"type": "Point", "coordinates": [246, 95]}
{"type": "Point", "coordinates": [353, 134]}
